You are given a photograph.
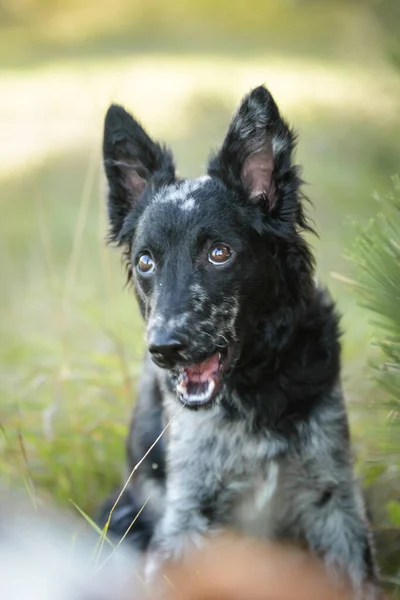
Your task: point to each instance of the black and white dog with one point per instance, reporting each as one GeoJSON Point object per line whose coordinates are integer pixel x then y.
{"type": "Point", "coordinates": [243, 350]}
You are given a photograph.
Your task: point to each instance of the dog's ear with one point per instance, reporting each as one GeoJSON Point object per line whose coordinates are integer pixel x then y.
{"type": "Point", "coordinates": [132, 160]}
{"type": "Point", "coordinates": [256, 156]}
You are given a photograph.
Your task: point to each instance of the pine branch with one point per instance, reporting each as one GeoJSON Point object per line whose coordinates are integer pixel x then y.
{"type": "Point", "coordinates": [376, 257]}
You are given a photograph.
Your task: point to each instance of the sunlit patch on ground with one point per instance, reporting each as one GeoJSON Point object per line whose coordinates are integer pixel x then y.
{"type": "Point", "coordinates": [60, 107]}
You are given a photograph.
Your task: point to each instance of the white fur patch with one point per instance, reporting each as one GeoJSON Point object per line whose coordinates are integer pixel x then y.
{"type": "Point", "coordinates": [278, 145]}
{"type": "Point", "coordinates": [267, 489]}
{"type": "Point", "coordinates": [179, 321]}
{"type": "Point", "coordinates": [253, 511]}
{"type": "Point", "coordinates": [203, 179]}
{"type": "Point", "coordinates": [180, 193]}
{"type": "Point", "coordinates": [188, 204]}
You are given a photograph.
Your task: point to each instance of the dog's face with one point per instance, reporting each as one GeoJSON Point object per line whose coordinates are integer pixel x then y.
{"type": "Point", "coordinates": [202, 251]}
{"type": "Point", "coordinates": [193, 266]}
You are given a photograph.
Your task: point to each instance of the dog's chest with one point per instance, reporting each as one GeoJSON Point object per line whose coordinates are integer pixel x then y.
{"type": "Point", "coordinates": [253, 509]}
{"type": "Point", "coordinates": [243, 469]}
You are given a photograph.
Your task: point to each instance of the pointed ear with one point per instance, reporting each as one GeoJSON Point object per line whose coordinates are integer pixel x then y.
{"type": "Point", "coordinates": [255, 157]}
{"type": "Point", "coordinates": [131, 161]}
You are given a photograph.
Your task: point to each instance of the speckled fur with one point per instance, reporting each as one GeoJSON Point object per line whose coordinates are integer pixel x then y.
{"type": "Point", "coordinates": [270, 456]}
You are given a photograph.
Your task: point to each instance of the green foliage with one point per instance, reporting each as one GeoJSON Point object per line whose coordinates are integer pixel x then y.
{"type": "Point", "coordinates": [377, 259]}
{"type": "Point", "coordinates": [394, 512]}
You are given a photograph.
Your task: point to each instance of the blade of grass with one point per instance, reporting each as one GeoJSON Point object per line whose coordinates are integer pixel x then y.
{"type": "Point", "coordinates": [125, 534]}
{"type": "Point", "coordinates": [135, 468]}
{"type": "Point", "coordinates": [27, 479]}
{"type": "Point", "coordinates": [93, 524]}
{"type": "Point", "coordinates": [81, 221]}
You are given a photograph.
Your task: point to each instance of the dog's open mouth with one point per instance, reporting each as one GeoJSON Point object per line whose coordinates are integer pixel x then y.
{"type": "Point", "coordinates": [199, 384]}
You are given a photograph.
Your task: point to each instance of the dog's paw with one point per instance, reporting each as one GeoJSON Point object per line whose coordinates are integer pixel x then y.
{"type": "Point", "coordinates": [153, 567]}
{"type": "Point", "coordinates": [180, 550]}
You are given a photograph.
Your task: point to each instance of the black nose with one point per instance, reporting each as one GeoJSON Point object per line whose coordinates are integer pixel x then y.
{"type": "Point", "coordinates": [166, 347]}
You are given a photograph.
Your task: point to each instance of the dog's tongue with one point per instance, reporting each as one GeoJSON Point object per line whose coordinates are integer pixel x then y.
{"type": "Point", "coordinates": [203, 371]}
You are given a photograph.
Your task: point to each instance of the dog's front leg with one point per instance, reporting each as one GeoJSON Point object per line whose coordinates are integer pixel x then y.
{"type": "Point", "coordinates": [171, 544]}
{"type": "Point", "coordinates": [183, 526]}
{"type": "Point", "coordinates": [335, 528]}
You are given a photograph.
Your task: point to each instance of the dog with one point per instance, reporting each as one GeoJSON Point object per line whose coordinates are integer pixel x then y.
{"type": "Point", "coordinates": [243, 362]}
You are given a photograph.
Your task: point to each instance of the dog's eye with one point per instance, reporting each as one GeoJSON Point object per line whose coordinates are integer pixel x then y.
{"type": "Point", "coordinates": [219, 254]}
{"type": "Point", "coordinates": [145, 264]}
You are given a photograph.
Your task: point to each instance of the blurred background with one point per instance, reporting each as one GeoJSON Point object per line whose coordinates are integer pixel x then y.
{"type": "Point", "coordinates": [70, 335]}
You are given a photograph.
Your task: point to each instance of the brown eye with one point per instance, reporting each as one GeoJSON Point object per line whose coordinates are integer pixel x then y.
{"type": "Point", "coordinates": [219, 254]}
{"type": "Point", "coordinates": [145, 264]}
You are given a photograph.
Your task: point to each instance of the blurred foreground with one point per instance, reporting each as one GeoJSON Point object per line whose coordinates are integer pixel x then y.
{"type": "Point", "coordinates": [42, 560]}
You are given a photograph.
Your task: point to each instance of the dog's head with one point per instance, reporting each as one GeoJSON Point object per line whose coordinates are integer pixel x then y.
{"type": "Point", "coordinates": [209, 258]}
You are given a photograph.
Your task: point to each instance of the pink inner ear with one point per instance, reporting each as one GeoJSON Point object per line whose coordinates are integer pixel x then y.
{"type": "Point", "coordinates": [131, 179]}
{"type": "Point", "coordinates": [134, 182]}
{"type": "Point", "coordinates": [257, 175]}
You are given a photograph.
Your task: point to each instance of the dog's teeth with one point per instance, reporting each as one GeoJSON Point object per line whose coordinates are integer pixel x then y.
{"type": "Point", "coordinates": [192, 398]}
